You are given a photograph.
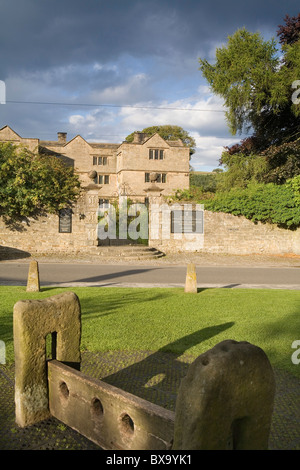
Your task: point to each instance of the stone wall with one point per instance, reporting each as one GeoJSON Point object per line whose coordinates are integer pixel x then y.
{"type": "Point", "coordinates": [42, 235]}
{"type": "Point", "coordinates": [223, 233]}
{"type": "Point", "coordinates": [226, 233]}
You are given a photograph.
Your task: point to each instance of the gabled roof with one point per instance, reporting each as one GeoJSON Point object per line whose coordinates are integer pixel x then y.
{"type": "Point", "coordinates": [74, 138]}
{"type": "Point", "coordinates": [147, 139]}
{"type": "Point", "coordinates": [151, 137]}
{"type": "Point", "coordinates": [170, 143]}
{"type": "Point", "coordinates": [11, 132]}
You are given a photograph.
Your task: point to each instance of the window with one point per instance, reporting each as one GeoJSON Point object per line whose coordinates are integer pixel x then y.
{"type": "Point", "coordinates": [156, 154]}
{"type": "Point", "coordinates": [103, 179]}
{"type": "Point", "coordinates": [161, 178]}
{"type": "Point", "coordinates": [100, 160]}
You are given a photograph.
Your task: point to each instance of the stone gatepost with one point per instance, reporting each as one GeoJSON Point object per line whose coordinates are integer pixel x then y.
{"type": "Point", "coordinates": [191, 279]}
{"type": "Point", "coordinates": [33, 280]}
{"type": "Point", "coordinates": [226, 400]}
{"type": "Point", "coordinates": [33, 320]}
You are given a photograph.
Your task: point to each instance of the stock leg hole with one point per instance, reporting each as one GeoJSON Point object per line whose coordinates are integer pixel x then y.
{"type": "Point", "coordinates": [97, 408]}
{"type": "Point", "coordinates": [64, 391]}
{"type": "Point", "coordinates": [127, 424]}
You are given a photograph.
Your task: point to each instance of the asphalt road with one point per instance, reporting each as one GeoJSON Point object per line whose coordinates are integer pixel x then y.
{"type": "Point", "coordinates": [52, 274]}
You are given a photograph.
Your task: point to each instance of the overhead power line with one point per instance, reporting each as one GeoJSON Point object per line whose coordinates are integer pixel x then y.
{"type": "Point", "coordinates": [115, 106]}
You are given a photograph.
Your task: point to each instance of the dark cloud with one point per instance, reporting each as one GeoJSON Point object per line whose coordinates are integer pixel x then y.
{"type": "Point", "coordinates": [37, 34]}
{"type": "Point", "coordinates": [117, 52]}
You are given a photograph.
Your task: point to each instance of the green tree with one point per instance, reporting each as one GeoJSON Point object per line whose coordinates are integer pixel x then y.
{"type": "Point", "coordinates": [257, 80]}
{"type": "Point", "coordinates": [207, 182]}
{"type": "Point", "coordinates": [169, 132]}
{"type": "Point", "coordinates": [241, 170]}
{"type": "Point", "coordinates": [32, 185]}
{"type": "Point", "coordinates": [243, 75]}
{"type": "Point", "coordinates": [272, 203]}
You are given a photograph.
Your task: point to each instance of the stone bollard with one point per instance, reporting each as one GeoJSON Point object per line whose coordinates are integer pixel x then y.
{"type": "Point", "coordinates": [191, 279]}
{"type": "Point", "coordinates": [226, 400]}
{"type": "Point", "coordinates": [33, 280]}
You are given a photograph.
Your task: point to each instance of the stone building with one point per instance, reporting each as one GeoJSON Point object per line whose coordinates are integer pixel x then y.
{"type": "Point", "coordinates": [118, 169]}
{"type": "Point", "coordinates": [146, 169]}
{"type": "Point", "coordinates": [149, 168]}
{"type": "Point", "coordinates": [8, 135]}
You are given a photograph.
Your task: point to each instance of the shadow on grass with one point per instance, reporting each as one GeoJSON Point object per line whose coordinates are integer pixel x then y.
{"type": "Point", "coordinates": [105, 303]}
{"type": "Point", "coordinates": [108, 306]}
{"type": "Point", "coordinates": [100, 304]}
{"type": "Point", "coordinates": [157, 377]}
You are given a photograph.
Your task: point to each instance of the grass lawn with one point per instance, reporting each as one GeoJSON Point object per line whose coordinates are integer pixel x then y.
{"type": "Point", "coordinates": [169, 320]}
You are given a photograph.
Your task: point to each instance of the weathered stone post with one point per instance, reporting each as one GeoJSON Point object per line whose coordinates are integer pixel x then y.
{"type": "Point", "coordinates": [226, 400]}
{"type": "Point", "coordinates": [33, 280]}
{"type": "Point", "coordinates": [191, 279]}
{"type": "Point", "coordinates": [33, 321]}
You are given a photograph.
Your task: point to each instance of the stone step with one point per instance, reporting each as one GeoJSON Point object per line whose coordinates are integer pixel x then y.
{"type": "Point", "coordinates": [125, 249]}
{"type": "Point", "coordinates": [127, 252]}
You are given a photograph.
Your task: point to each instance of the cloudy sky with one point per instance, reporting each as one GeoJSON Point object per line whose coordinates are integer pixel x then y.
{"type": "Point", "coordinates": [105, 68]}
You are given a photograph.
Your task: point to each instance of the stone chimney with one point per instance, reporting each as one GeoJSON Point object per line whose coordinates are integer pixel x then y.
{"type": "Point", "coordinates": [62, 137]}
{"type": "Point", "coordinates": [139, 137]}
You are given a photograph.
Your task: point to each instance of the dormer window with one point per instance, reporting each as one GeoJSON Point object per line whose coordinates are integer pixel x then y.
{"type": "Point", "coordinates": [156, 154]}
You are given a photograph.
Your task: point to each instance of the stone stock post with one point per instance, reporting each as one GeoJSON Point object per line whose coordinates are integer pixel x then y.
{"type": "Point", "coordinates": [226, 400]}
{"type": "Point", "coordinates": [33, 320]}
